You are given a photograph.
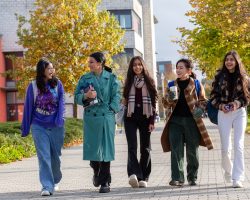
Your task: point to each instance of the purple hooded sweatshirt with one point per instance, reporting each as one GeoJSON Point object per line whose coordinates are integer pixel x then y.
{"type": "Point", "coordinates": [47, 110]}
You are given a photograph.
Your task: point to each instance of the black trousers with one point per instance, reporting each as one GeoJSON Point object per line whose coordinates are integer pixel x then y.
{"type": "Point", "coordinates": [102, 171]}
{"type": "Point", "coordinates": [142, 168]}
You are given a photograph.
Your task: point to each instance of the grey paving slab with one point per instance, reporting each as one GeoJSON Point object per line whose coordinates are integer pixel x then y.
{"type": "Point", "coordinates": [19, 180]}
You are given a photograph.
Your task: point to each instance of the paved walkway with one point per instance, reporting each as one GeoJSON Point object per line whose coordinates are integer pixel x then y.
{"type": "Point", "coordinates": [19, 180]}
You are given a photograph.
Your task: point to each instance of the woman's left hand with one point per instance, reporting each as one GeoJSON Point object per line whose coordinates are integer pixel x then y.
{"type": "Point", "coordinates": [233, 106]}
{"type": "Point", "coordinates": [151, 127]}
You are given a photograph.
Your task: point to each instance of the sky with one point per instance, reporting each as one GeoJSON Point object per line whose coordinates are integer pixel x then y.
{"type": "Point", "coordinates": [170, 15]}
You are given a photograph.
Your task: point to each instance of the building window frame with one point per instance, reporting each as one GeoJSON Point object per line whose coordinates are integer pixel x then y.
{"type": "Point", "coordinates": [125, 13]}
{"type": "Point", "coordinates": [134, 23]}
{"type": "Point", "coordinates": [136, 26]}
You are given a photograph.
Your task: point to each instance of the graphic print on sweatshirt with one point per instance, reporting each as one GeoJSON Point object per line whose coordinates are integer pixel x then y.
{"type": "Point", "coordinates": [46, 103]}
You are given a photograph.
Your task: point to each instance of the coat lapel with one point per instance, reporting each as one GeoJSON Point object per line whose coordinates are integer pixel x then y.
{"type": "Point", "coordinates": [192, 101]}
{"type": "Point", "coordinates": [101, 83]}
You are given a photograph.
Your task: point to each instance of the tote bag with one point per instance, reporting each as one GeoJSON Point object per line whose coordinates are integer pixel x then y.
{"type": "Point", "coordinates": [212, 113]}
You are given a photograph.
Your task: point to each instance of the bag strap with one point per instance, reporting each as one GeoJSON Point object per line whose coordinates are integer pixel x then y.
{"type": "Point", "coordinates": [35, 92]}
{"type": "Point", "coordinates": [197, 86]}
{"type": "Point", "coordinates": [170, 84]}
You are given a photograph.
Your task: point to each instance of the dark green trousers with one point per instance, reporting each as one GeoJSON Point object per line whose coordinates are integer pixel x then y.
{"type": "Point", "coordinates": [184, 130]}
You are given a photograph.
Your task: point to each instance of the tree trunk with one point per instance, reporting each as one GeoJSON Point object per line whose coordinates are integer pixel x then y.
{"type": "Point", "coordinates": [75, 110]}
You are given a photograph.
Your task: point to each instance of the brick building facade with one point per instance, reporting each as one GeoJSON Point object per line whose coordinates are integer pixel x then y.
{"type": "Point", "coordinates": [3, 116]}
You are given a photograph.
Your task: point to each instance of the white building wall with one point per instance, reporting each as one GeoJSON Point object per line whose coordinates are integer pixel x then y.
{"type": "Point", "coordinates": [149, 37]}
{"type": "Point", "coordinates": [9, 23]}
{"type": "Point", "coordinates": [137, 7]}
{"type": "Point", "coordinates": [139, 45]}
{"type": "Point", "coordinates": [122, 5]}
{"type": "Point", "coordinates": [133, 40]}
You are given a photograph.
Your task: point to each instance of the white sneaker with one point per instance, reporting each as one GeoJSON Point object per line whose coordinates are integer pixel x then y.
{"type": "Point", "coordinates": [56, 187]}
{"type": "Point", "coordinates": [45, 193]}
{"type": "Point", "coordinates": [133, 181]}
{"type": "Point", "coordinates": [228, 177]}
{"type": "Point", "coordinates": [237, 184]}
{"type": "Point", "coordinates": [143, 184]}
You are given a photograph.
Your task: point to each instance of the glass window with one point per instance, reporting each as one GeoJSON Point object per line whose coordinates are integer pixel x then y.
{"type": "Point", "coordinates": [125, 21]}
{"type": "Point", "coordinates": [137, 23]}
{"type": "Point", "coordinates": [117, 17]}
{"type": "Point", "coordinates": [20, 100]}
{"type": "Point", "coordinates": [124, 18]}
{"type": "Point", "coordinates": [132, 52]}
{"type": "Point", "coordinates": [128, 19]}
{"type": "Point", "coordinates": [11, 84]}
{"type": "Point", "coordinates": [161, 68]}
{"type": "Point", "coordinates": [129, 52]}
{"type": "Point", "coordinates": [12, 114]}
{"type": "Point", "coordinates": [137, 53]}
{"type": "Point", "coordinates": [11, 97]}
{"type": "Point", "coordinates": [8, 56]}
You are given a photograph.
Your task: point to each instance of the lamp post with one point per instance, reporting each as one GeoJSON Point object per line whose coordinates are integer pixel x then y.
{"type": "Point", "coordinates": [162, 84]}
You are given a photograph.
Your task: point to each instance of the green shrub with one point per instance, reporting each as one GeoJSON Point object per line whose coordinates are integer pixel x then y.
{"type": "Point", "coordinates": [73, 131]}
{"type": "Point", "coordinates": [10, 128]}
{"type": "Point", "coordinates": [248, 125]}
{"type": "Point", "coordinates": [248, 120]}
{"type": "Point", "coordinates": [13, 147]}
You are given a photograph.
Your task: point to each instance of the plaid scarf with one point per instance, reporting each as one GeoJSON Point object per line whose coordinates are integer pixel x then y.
{"type": "Point", "coordinates": [146, 100]}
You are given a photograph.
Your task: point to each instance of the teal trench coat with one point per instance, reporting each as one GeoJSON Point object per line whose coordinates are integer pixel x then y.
{"type": "Point", "coordinates": [99, 119]}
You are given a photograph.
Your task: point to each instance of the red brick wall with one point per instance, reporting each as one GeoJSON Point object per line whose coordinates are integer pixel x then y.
{"type": "Point", "coordinates": [3, 114]}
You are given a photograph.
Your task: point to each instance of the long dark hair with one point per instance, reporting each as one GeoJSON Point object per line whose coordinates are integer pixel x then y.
{"type": "Point", "coordinates": [148, 80]}
{"type": "Point", "coordinates": [42, 64]}
{"type": "Point", "coordinates": [99, 57]}
{"type": "Point", "coordinates": [240, 72]}
{"type": "Point", "coordinates": [189, 65]}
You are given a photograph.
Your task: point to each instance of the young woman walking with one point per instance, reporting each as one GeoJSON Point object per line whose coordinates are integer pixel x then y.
{"type": "Point", "coordinates": [184, 124]}
{"type": "Point", "coordinates": [44, 114]}
{"type": "Point", "coordinates": [99, 92]}
{"type": "Point", "coordinates": [230, 94]}
{"type": "Point", "coordinates": [140, 97]}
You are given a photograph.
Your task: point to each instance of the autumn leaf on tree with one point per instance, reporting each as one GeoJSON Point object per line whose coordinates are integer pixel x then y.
{"type": "Point", "coordinates": [220, 26]}
{"type": "Point", "coordinates": [65, 32]}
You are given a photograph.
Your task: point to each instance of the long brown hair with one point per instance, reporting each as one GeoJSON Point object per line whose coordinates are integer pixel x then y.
{"type": "Point", "coordinates": [148, 80]}
{"type": "Point", "coordinates": [239, 70]}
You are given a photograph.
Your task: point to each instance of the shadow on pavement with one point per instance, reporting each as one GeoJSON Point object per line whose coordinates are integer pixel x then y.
{"type": "Point", "coordinates": [127, 193]}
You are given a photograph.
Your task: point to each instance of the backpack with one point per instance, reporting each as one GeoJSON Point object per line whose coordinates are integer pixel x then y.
{"type": "Point", "coordinates": [35, 89]}
{"type": "Point", "coordinates": [196, 82]}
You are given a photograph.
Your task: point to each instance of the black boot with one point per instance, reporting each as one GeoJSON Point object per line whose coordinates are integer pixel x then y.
{"type": "Point", "coordinates": [105, 188]}
{"type": "Point", "coordinates": [95, 180]}
{"type": "Point", "coordinates": [96, 168]}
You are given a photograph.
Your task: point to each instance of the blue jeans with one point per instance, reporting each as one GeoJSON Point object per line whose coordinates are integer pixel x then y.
{"type": "Point", "coordinates": [48, 143]}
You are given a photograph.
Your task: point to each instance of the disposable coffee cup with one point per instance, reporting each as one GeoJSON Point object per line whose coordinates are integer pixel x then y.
{"type": "Point", "coordinates": [175, 91]}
